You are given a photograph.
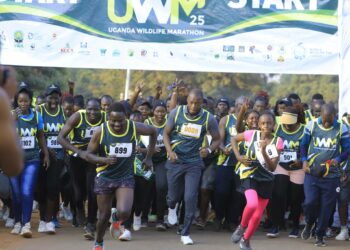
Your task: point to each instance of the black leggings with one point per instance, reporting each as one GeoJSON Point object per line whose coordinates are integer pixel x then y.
{"type": "Point", "coordinates": [161, 189]}
{"type": "Point", "coordinates": [83, 176]}
{"type": "Point", "coordinates": [142, 192]}
{"type": "Point", "coordinates": [48, 189]}
{"type": "Point", "coordinates": [284, 189]}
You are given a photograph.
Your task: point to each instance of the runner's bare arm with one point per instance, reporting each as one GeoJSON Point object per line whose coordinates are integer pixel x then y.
{"type": "Point", "coordinates": [11, 155]}
{"type": "Point", "coordinates": [214, 132]}
{"type": "Point", "coordinates": [143, 129]}
{"type": "Point", "coordinates": [222, 132]}
{"type": "Point", "coordinates": [71, 123]}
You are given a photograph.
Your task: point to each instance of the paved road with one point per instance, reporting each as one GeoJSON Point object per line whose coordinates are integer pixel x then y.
{"type": "Point", "coordinates": [70, 238]}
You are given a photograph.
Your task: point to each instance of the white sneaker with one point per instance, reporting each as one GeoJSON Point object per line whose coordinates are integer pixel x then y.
{"type": "Point", "coordinates": [16, 228]}
{"type": "Point", "coordinates": [125, 234]}
{"type": "Point", "coordinates": [137, 223]}
{"type": "Point", "coordinates": [42, 227]}
{"type": "Point", "coordinates": [186, 240]}
{"type": "Point", "coordinates": [5, 213]}
{"type": "Point", "coordinates": [35, 206]}
{"type": "Point", "coordinates": [50, 228]}
{"type": "Point", "coordinates": [344, 234]}
{"type": "Point", "coordinates": [10, 223]}
{"type": "Point", "coordinates": [26, 231]}
{"type": "Point", "coordinates": [67, 214]}
{"type": "Point", "coordinates": [172, 216]}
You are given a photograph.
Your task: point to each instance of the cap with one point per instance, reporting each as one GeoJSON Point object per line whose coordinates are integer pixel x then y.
{"type": "Point", "coordinates": [143, 102]}
{"type": "Point", "coordinates": [159, 104]}
{"type": "Point", "coordinates": [287, 101]}
{"type": "Point", "coordinates": [224, 100]}
{"type": "Point", "coordinates": [289, 118]}
{"type": "Point", "coordinates": [23, 86]}
{"type": "Point", "coordinates": [52, 89]}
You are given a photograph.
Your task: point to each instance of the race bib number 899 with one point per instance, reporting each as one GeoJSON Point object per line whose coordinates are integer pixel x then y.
{"type": "Point", "coordinates": [122, 150]}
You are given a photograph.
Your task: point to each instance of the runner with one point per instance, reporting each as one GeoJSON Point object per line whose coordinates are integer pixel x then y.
{"type": "Point", "coordinates": [184, 133]}
{"type": "Point", "coordinates": [115, 144]}
{"type": "Point", "coordinates": [68, 106]}
{"type": "Point", "coordinates": [289, 175]}
{"type": "Point", "coordinates": [29, 126]}
{"type": "Point", "coordinates": [10, 150]}
{"type": "Point", "coordinates": [106, 102]}
{"type": "Point", "coordinates": [158, 121]}
{"type": "Point", "coordinates": [78, 103]}
{"type": "Point", "coordinates": [256, 174]}
{"type": "Point", "coordinates": [49, 181]}
{"type": "Point", "coordinates": [344, 194]}
{"type": "Point", "coordinates": [260, 104]}
{"type": "Point", "coordinates": [222, 107]}
{"type": "Point", "coordinates": [83, 124]}
{"type": "Point", "coordinates": [325, 145]}
{"type": "Point", "coordinates": [227, 200]}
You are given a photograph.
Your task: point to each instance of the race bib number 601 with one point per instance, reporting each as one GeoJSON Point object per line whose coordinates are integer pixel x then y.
{"type": "Point", "coordinates": [122, 150]}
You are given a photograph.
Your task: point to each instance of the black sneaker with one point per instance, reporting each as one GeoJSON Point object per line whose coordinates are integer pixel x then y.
{"type": "Point", "coordinates": [294, 233]}
{"type": "Point", "coordinates": [217, 225]}
{"type": "Point", "coordinates": [273, 233]}
{"type": "Point", "coordinates": [307, 231]}
{"type": "Point", "coordinates": [320, 242]}
{"type": "Point", "coordinates": [89, 233]}
{"type": "Point", "coordinates": [244, 244]}
{"type": "Point", "coordinates": [237, 234]}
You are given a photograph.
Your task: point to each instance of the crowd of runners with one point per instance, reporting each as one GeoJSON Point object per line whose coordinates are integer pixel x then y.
{"type": "Point", "coordinates": [187, 159]}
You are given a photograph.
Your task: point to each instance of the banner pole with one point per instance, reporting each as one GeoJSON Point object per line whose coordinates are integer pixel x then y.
{"type": "Point", "coordinates": [127, 84]}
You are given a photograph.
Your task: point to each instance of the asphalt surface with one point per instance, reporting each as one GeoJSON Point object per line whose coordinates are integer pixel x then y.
{"type": "Point", "coordinates": [70, 238]}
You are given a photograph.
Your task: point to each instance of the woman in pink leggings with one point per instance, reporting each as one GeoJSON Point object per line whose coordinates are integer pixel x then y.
{"type": "Point", "coordinates": [256, 175]}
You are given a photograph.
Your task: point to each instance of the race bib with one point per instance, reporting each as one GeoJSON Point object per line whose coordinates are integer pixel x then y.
{"type": "Point", "coordinates": [122, 150]}
{"type": "Point", "coordinates": [191, 130]}
{"type": "Point", "coordinates": [89, 132]}
{"type": "Point", "coordinates": [233, 131]}
{"type": "Point", "coordinates": [52, 142]}
{"type": "Point", "coordinates": [28, 142]}
{"type": "Point", "coordinates": [160, 142]}
{"type": "Point", "coordinates": [270, 150]}
{"type": "Point", "coordinates": [288, 157]}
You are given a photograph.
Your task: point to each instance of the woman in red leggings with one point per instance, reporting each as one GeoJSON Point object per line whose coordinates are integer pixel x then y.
{"type": "Point", "coordinates": [256, 175]}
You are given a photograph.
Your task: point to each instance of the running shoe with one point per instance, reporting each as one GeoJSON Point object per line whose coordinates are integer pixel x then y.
{"type": "Point", "coordinates": [217, 225]}
{"type": "Point", "coordinates": [329, 233]}
{"type": "Point", "coordinates": [244, 244]}
{"type": "Point", "coordinates": [320, 242]}
{"type": "Point", "coordinates": [57, 223]}
{"type": "Point", "coordinates": [307, 231]}
{"type": "Point", "coordinates": [98, 246]}
{"type": "Point", "coordinates": [273, 232]}
{"type": "Point", "coordinates": [80, 217]}
{"type": "Point", "coordinates": [200, 223]}
{"type": "Point", "coordinates": [161, 227]}
{"type": "Point", "coordinates": [50, 227]}
{"type": "Point", "coordinates": [67, 213]}
{"type": "Point", "coordinates": [172, 216]}
{"type": "Point", "coordinates": [294, 233]}
{"type": "Point", "coordinates": [125, 234]}
{"type": "Point", "coordinates": [16, 228]}
{"type": "Point", "coordinates": [344, 234]}
{"type": "Point", "coordinates": [42, 227]}
{"type": "Point", "coordinates": [152, 218]}
{"type": "Point", "coordinates": [5, 212]}
{"type": "Point", "coordinates": [186, 240]}
{"type": "Point", "coordinates": [10, 223]}
{"type": "Point", "coordinates": [137, 223]}
{"type": "Point", "coordinates": [237, 234]}
{"type": "Point", "coordinates": [89, 233]}
{"type": "Point", "coordinates": [26, 231]}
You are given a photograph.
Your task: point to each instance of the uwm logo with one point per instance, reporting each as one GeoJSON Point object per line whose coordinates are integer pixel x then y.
{"type": "Point", "coordinates": [52, 127]}
{"type": "Point", "coordinates": [163, 12]}
{"type": "Point", "coordinates": [325, 142]}
{"type": "Point", "coordinates": [290, 144]}
{"type": "Point", "coordinates": [27, 132]}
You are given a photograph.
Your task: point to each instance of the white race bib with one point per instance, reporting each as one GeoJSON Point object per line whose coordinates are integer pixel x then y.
{"type": "Point", "coordinates": [145, 140]}
{"type": "Point", "coordinates": [160, 142]}
{"type": "Point", "coordinates": [121, 150]}
{"type": "Point", "coordinates": [288, 156]}
{"type": "Point", "coordinates": [28, 142]}
{"type": "Point", "coordinates": [191, 130]}
{"type": "Point", "coordinates": [89, 132]}
{"type": "Point", "coordinates": [233, 131]}
{"type": "Point", "coordinates": [270, 150]}
{"type": "Point", "coordinates": [52, 142]}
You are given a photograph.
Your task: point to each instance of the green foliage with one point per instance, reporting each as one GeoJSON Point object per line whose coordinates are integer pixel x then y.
{"type": "Point", "coordinates": [95, 82]}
